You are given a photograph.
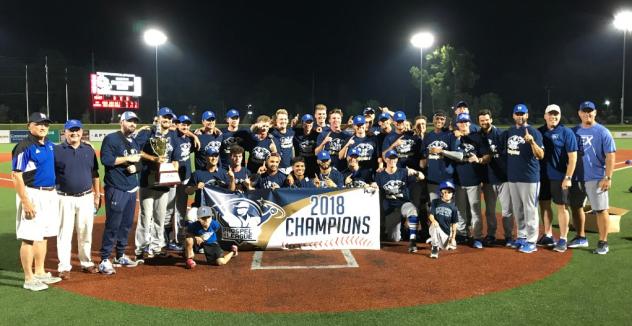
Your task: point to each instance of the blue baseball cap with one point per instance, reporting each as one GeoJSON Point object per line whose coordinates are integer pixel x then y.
{"type": "Point", "coordinates": [129, 115]}
{"type": "Point", "coordinates": [391, 153]}
{"type": "Point", "coordinates": [520, 108]}
{"type": "Point", "coordinates": [463, 117]}
{"type": "Point", "coordinates": [384, 116]}
{"type": "Point", "coordinates": [353, 152]}
{"type": "Point", "coordinates": [323, 156]}
{"type": "Point", "coordinates": [359, 120]}
{"type": "Point", "coordinates": [212, 151]}
{"type": "Point", "coordinates": [399, 116]}
{"type": "Point", "coordinates": [368, 110]}
{"type": "Point", "coordinates": [72, 123]}
{"type": "Point", "coordinates": [185, 118]}
{"type": "Point", "coordinates": [165, 112]}
{"type": "Point", "coordinates": [208, 115]}
{"type": "Point", "coordinates": [307, 117]}
{"type": "Point", "coordinates": [587, 105]}
{"type": "Point", "coordinates": [446, 185]}
{"type": "Point", "coordinates": [232, 113]}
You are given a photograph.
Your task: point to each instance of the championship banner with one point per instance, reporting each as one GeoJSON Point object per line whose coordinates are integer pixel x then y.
{"type": "Point", "coordinates": [308, 219]}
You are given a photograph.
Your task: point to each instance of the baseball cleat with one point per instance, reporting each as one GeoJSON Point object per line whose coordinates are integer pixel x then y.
{"type": "Point", "coordinates": [477, 244]}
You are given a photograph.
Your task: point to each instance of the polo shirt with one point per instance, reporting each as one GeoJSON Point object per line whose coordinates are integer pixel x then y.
{"type": "Point", "coordinates": [75, 167]}
{"type": "Point", "coordinates": [557, 143]}
{"type": "Point", "coordinates": [36, 162]}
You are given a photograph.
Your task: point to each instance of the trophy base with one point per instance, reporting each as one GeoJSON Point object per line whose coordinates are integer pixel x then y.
{"type": "Point", "coordinates": [167, 175]}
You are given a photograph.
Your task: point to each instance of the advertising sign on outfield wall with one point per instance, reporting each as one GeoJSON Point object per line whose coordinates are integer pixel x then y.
{"type": "Point", "coordinates": [99, 134]}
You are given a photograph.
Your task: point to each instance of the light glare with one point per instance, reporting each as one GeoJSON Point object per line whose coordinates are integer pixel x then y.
{"type": "Point", "coordinates": [422, 40]}
{"type": "Point", "coordinates": [623, 20]}
{"type": "Point", "coordinates": [154, 37]}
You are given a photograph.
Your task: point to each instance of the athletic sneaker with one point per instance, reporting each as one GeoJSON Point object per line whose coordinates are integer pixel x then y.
{"type": "Point", "coordinates": [509, 242]}
{"type": "Point", "coordinates": [518, 243]}
{"type": "Point", "coordinates": [47, 278]}
{"type": "Point", "coordinates": [412, 247]}
{"type": "Point", "coordinates": [546, 241]}
{"type": "Point", "coordinates": [124, 261]}
{"type": "Point", "coordinates": [190, 264]}
{"type": "Point", "coordinates": [235, 250]}
{"type": "Point", "coordinates": [140, 259]}
{"type": "Point", "coordinates": [148, 254]}
{"type": "Point", "coordinates": [174, 247]}
{"type": "Point", "coordinates": [602, 248]}
{"type": "Point", "coordinates": [489, 241]}
{"type": "Point", "coordinates": [105, 267]}
{"type": "Point", "coordinates": [560, 246]}
{"type": "Point", "coordinates": [34, 285]}
{"type": "Point", "coordinates": [528, 248]}
{"type": "Point", "coordinates": [461, 239]}
{"type": "Point", "coordinates": [434, 252]}
{"type": "Point", "coordinates": [578, 242]}
{"type": "Point", "coordinates": [477, 244]}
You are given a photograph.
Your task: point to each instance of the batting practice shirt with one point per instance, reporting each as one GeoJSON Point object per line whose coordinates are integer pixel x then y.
{"type": "Point", "coordinates": [36, 162]}
{"type": "Point", "coordinates": [594, 143]}
{"type": "Point", "coordinates": [522, 166]}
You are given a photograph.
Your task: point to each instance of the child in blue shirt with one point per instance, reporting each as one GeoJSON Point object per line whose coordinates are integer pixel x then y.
{"type": "Point", "coordinates": [203, 233]}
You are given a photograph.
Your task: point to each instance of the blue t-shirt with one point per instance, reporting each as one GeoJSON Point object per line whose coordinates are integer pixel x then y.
{"type": "Point", "coordinates": [285, 146]}
{"type": "Point", "coordinates": [240, 179]}
{"type": "Point", "coordinates": [359, 178]}
{"type": "Point", "coordinates": [266, 181]}
{"type": "Point", "coordinates": [305, 145]}
{"type": "Point", "coordinates": [369, 152]}
{"type": "Point", "coordinates": [75, 167]}
{"type": "Point", "coordinates": [36, 162]}
{"type": "Point", "coordinates": [116, 145]}
{"type": "Point", "coordinates": [497, 166]}
{"type": "Point", "coordinates": [593, 143]}
{"type": "Point", "coordinates": [218, 178]}
{"type": "Point", "coordinates": [209, 235]}
{"type": "Point", "coordinates": [303, 183]}
{"type": "Point", "coordinates": [229, 138]}
{"type": "Point", "coordinates": [394, 187]}
{"type": "Point", "coordinates": [334, 175]}
{"type": "Point", "coordinates": [558, 142]}
{"type": "Point", "coordinates": [406, 151]}
{"type": "Point", "coordinates": [522, 166]}
{"type": "Point", "coordinates": [184, 145]}
{"type": "Point", "coordinates": [206, 141]}
{"type": "Point", "coordinates": [440, 168]}
{"type": "Point", "coordinates": [338, 140]}
{"type": "Point", "coordinates": [471, 174]}
{"type": "Point", "coordinates": [259, 152]}
{"type": "Point", "coordinates": [444, 213]}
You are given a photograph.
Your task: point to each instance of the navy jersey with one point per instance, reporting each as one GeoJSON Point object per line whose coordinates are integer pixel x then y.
{"type": "Point", "coordinates": [305, 145]}
{"type": "Point", "coordinates": [184, 145]}
{"type": "Point", "coordinates": [440, 168]}
{"type": "Point", "coordinates": [206, 141]}
{"type": "Point", "coordinates": [334, 175]}
{"type": "Point", "coordinates": [359, 178]}
{"type": "Point", "coordinates": [218, 178]}
{"type": "Point", "coordinates": [380, 139]}
{"type": "Point", "coordinates": [209, 235]}
{"type": "Point", "coordinates": [266, 181]}
{"type": "Point", "coordinates": [406, 150]}
{"type": "Point", "coordinates": [116, 145]}
{"type": "Point", "coordinates": [338, 140]}
{"type": "Point", "coordinates": [240, 178]}
{"type": "Point", "coordinates": [497, 166]}
{"type": "Point", "coordinates": [444, 213]}
{"type": "Point", "coordinates": [147, 167]}
{"type": "Point", "coordinates": [303, 183]}
{"type": "Point", "coordinates": [259, 150]}
{"type": "Point", "coordinates": [285, 146]}
{"type": "Point", "coordinates": [471, 174]}
{"type": "Point", "coordinates": [522, 166]}
{"type": "Point", "coordinates": [229, 138]}
{"type": "Point", "coordinates": [36, 162]}
{"type": "Point", "coordinates": [557, 143]}
{"type": "Point", "coordinates": [394, 187]}
{"type": "Point", "coordinates": [369, 152]}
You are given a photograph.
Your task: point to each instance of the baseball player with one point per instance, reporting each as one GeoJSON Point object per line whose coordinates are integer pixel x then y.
{"type": "Point", "coordinates": [261, 144]}
{"type": "Point", "coordinates": [203, 233]}
{"type": "Point", "coordinates": [283, 136]}
{"type": "Point", "coordinates": [333, 139]}
{"type": "Point", "coordinates": [443, 219]}
{"type": "Point", "coordinates": [305, 143]}
{"type": "Point", "coordinates": [269, 176]}
{"type": "Point", "coordinates": [210, 137]}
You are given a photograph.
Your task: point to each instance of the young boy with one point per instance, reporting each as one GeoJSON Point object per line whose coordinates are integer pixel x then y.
{"type": "Point", "coordinates": [203, 232]}
{"type": "Point", "coordinates": [443, 218]}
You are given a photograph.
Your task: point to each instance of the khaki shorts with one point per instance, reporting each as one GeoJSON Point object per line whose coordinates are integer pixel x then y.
{"type": "Point", "coordinates": [46, 221]}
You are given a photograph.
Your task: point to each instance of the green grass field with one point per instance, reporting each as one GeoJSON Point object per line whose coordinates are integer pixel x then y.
{"type": "Point", "coordinates": [591, 290]}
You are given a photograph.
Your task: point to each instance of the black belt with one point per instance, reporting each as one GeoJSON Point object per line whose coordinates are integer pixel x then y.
{"type": "Point", "coordinates": [43, 188]}
{"type": "Point", "coordinates": [75, 195]}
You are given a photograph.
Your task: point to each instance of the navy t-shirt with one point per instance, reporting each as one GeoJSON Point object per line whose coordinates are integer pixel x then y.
{"type": "Point", "coordinates": [206, 141]}
{"type": "Point", "coordinates": [444, 213]}
{"type": "Point", "coordinates": [471, 174]}
{"type": "Point", "coordinates": [285, 146]}
{"type": "Point", "coordinates": [303, 183]}
{"type": "Point", "coordinates": [497, 166]}
{"type": "Point", "coordinates": [36, 162]}
{"type": "Point", "coordinates": [557, 143]}
{"type": "Point", "coordinates": [440, 168]}
{"type": "Point", "coordinates": [259, 152]}
{"type": "Point", "coordinates": [522, 166]}
{"type": "Point", "coordinates": [338, 140]}
{"type": "Point", "coordinates": [305, 145]}
{"type": "Point", "coordinates": [406, 150]}
{"type": "Point", "coordinates": [240, 178]}
{"type": "Point", "coordinates": [184, 145]}
{"type": "Point", "coordinates": [266, 181]}
{"type": "Point", "coordinates": [334, 175]}
{"type": "Point", "coordinates": [229, 138]}
{"type": "Point", "coordinates": [359, 178]}
{"type": "Point", "coordinates": [369, 152]}
{"type": "Point", "coordinates": [218, 178]}
{"type": "Point", "coordinates": [394, 187]}
{"type": "Point", "coordinates": [209, 235]}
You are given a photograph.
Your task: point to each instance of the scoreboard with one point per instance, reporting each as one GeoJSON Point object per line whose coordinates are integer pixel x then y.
{"type": "Point", "coordinates": [115, 90]}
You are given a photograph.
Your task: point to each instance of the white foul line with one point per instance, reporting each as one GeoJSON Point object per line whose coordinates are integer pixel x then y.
{"type": "Point", "coordinates": [351, 262]}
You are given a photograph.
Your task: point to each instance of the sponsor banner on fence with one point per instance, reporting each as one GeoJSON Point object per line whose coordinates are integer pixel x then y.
{"type": "Point", "coordinates": [99, 134]}
{"type": "Point", "coordinates": [5, 136]}
{"type": "Point", "coordinates": [311, 219]}
{"type": "Point", "coordinates": [622, 134]}
{"type": "Point", "coordinates": [84, 137]}
{"type": "Point", "coordinates": [17, 136]}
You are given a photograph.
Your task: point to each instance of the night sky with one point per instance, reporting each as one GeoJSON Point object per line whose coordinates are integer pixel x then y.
{"type": "Point", "coordinates": [354, 50]}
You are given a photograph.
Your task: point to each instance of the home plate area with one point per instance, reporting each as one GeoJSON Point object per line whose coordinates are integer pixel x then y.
{"type": "Point", "coordinates": [303, 259]}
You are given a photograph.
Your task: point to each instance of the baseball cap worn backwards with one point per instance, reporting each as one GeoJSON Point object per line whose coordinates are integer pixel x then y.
{"type": "Point", "coordinates": [72, 123]}
{"type": "Point", "coordinates": [38, 117]}
{"type": "Point", "coordinates": [587, 106]}
{"type": "Point", "coordinates": [520, 108]}
{"type": "Point", "coordinates": [129, 115]}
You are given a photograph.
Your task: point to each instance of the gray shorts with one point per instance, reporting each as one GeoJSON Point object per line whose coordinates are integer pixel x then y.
{"type": "Point", "coordinates": [580, 190]}
{"type": "Point", "coordinates": [559, 195]}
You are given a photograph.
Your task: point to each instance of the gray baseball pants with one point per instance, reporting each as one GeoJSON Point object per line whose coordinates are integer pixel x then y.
{"type": "Point", "coordinates": [471, 195]}
{"type": "Point", "coordinates": [524, 200]}
{"type": "Point", "coordinates": [493, 193]}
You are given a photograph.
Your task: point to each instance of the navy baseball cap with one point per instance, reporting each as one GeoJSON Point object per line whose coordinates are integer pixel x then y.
{"type": "Point", "coordinates": [460, 104]}
{"type": "Point", "coordinates": [463, 117]}
{"type": "Point", "coordinates": [384, 116]}
{"type": "Point", "coordinates": [520, 108]}
{"type": "Point", "coordinates": [232, 113]}
{"type": "Point", "coordinates": [166, 112]}
{"type": "Point", "coordinates": [208, 115]}
{"type": "Point", "coordinates": [72, 123]}
{"type": "Point", "coordinates": [391, 153]}
{"type": "Point", "coordinates": [359, 120]}
{"type": "Point", "coordinates": [212, 151]}
{"type": "Point", "coordinates": [185, 118]}
{"type": "Point", "coordinates": [129, 115]}
{"type": "Point", "coordinates": [38, 117]}
{"type": "Point", "coordinates": [399, 116]}
{"type": "Point", "coordinates": [446, 185]}
{"type": "Point", "coordinates": [204, 212]}
{"type": "Point", "coordinates": [587, 105]}
{"type": "Point", "coordinates": [307, 118]}
{"type": "Point", "coordinates": [368, 110]}
{"type": "Point", "coordinates": [323, 156]}
{"type": "Point", "coordinates": [353, 152]}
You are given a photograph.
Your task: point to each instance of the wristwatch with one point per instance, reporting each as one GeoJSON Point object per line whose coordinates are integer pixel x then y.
{"type": "Point", "coordinates": [568, 177]}
{"type": "Point", "coordinates": [607, 178]}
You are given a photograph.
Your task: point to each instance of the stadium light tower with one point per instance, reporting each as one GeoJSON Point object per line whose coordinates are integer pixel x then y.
{"type": "Point", "coordinates": [421, 40]}
{"type": "Point", "coordinates": [623, 21]}
{"type": "Point", "coordinates": [155, 38]}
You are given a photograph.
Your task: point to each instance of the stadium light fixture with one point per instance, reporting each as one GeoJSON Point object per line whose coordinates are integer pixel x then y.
{"type": "Point", "coordinates": [154, 37]}
{"type": "Point", "coordinates": [421, 40]}
{"type": "Point", "coordinates": [623, 21]}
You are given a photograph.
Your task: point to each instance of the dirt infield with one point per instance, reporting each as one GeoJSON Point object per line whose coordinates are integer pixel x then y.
{"type": "Point", "coordinates": [383, 279]}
